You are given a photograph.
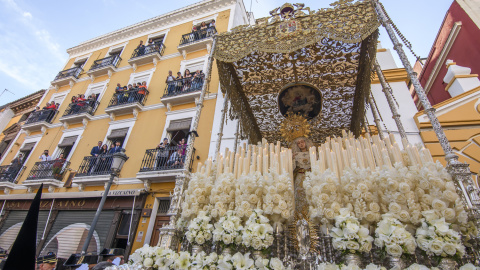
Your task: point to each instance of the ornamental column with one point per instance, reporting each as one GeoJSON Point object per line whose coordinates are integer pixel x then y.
{"type": "Point", "coordinates": [459, 171]}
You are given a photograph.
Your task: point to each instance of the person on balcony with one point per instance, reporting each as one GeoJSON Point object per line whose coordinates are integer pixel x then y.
{"type": "Point", "coordinates": [95, 152]}
{"type": "Point", "coordinates": [101, 160]}
{"type": "Point", "coordinates": [142, 91]}
{"type": "Point", "coordinates": [179, 83]}
{"type": "Point", "coordinates": [45, 156]}
{"type": "Point", "coordinates": [197, 81]}
{"type": "Point", "coordinates": [116, 148]}
{"type": "Point", "coordinates": [182, 145]}
{"type": "Point", "coordinates": [162, 153]}
{"type": "Point", "coordinates": [118, 93]}
{"type": "Point", "coordinates": [203, 30]}
{"type": "Point", "coordinates": [176, 159]}
{"type": "Point", "coordinates": [170, 82]}
{"type": "Point", "coordinates": [187, 82]}
{"type": "Point", "coordinates": [140, 48]}
{"type": "Point", "coordinates": [14, 167]}
{"type": "Point", "coordinates": [81, 103]}
{"type": "Point", "coordinates": [57, 167]}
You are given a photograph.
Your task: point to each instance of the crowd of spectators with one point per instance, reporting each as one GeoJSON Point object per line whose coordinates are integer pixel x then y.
{"type": "Point", "coordinates": [132, 93]}
{"type": "Point", "coordinates": [80, 104]}
{"type": "Point", "coordinates": [101, 156]}
{"type": "Point", "coordinates": [186, 83]}
{"type": "Point", "coordinates": [170, 156]}
{"type": "Point", "coordinates": [202, 31]}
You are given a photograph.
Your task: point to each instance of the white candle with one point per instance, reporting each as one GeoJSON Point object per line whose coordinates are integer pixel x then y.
{"type": "Point", "coordinates": [235, 169]}
{"type": "Point", "coordinates": [209, 166]}
{"type": "Point", "coordinates": [199, 166]}
{"type": "Point", "coordinates": [259, 163]}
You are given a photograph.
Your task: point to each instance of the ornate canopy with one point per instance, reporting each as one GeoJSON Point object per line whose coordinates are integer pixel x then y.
{"type": "Point", "coordinates": [329, 51]}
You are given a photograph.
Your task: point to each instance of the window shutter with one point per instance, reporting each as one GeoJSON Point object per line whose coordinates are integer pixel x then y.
{"type": "Point", "coordinates": [68, 141]}
{"type": "Point", "coordinates": [118, 133]}
{"type": "Point", "coordinates": [27, 147]}
{"type": "Point", "coordinates": [183, 124]}
{"type": "Point", "coordinates": [140, 79]}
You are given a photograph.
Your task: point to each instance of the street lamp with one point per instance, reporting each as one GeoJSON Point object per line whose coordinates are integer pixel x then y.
{"type": "Point", "coordinates": [118, 159]}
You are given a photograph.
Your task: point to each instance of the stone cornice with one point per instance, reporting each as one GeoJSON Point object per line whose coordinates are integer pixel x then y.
{"type": "Point", "coordinates": [144, 27]}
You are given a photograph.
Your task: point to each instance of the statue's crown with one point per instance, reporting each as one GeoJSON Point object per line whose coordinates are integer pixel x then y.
{"type": "Point", "coordinates": [294, 126]}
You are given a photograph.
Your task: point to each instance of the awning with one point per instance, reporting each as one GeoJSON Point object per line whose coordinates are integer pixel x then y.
{"type": "Point", "coordinates": [68, 141]}
{"type": "Point", "coordinates": [27, 147]}
{"type": "Point", "coordinates": [118, 133]}
{"type": "Point", "coordinates": [183, 124]}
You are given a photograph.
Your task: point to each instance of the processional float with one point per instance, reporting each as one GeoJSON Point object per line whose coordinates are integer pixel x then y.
{"type": "Point", "coordinates": [313, 188]}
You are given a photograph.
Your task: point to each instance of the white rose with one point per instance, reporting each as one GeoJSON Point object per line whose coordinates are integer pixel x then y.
{"type": "Point", "coordinates": [276, 264]}
{"type": "Point", "coordinates": [394, 208]}
{"type": "Point", "coordinates": [148, 262]}
{"type": "Point", "coordinates": [352, 245]}
{"type": "Point", "coordinates": [404, 187]}
{"type": "Point", "coordinates": [352, 227]}
{"type": "Point", "coordinates": [436, 246]}
{"type": "Point", "coordinates": [404, 216]}
{"type": "Point", "coordinates": [370, 216]}
{"type": "Point", "coordinates": [329, 213]}
{"type": "Point", "coordinates": [450, 249]}
{"type": "Point", "coordinates": [339, 244]}
{"type": "Point", "coordinates": [374, 207]}
{"type": "Point", "coordinates": [469, 266]}
{"type": "Point", "coordinates": [438, 205]}
{"type": "Point", "coordinates": [394, 250]}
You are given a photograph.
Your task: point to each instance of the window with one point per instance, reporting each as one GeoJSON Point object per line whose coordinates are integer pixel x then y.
{"type": "Point", "coordinates": [96, 89]}
{"type": "Point", "coordinates": [65, 147]}
{"type": "Point", "coordinates": [178, 130]}
{"type": "Point", "coordinates": [116, 51]}
{"type": "Point", "coordinates": [80, 63]}
{"type": "Point", "coordinates": [157, 40]}
{"type": "Point", "coordinates": [117, 135]}
{"type": "Point", "coordinates": [58, 99]}
{"type": "Point", "coordinates": [26, 150]}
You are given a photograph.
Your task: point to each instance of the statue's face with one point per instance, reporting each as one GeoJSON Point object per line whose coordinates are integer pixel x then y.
{"type": "Point", "coordinates": [301, 144]}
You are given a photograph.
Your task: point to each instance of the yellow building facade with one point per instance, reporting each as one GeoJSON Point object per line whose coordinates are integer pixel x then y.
{"type": "Point", "coordinates": [139, 119]}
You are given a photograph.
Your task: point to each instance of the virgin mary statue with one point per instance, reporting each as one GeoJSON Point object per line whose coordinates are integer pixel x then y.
{"type": "Point", "coordinates": [301, 163]}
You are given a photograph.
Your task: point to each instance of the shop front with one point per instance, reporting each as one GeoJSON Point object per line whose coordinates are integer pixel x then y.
{"type": "Point", "coordinates": [65, 218]}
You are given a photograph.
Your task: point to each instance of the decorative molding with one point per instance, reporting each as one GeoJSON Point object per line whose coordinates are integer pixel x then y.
{"type": "Point", "coordinates": [165, 21]}
{"type": "Point", "coordinates": [153, 107]}
{"type": "Point", "coordinates": [169, 107]}
{"type": "Point", "coordinates": [71, 83]}
{"type": "Point", "coordinates": [135, 113]}
{"type": "Point", "coordinates": [443, 55]}
{"type": "Point", "coordinates": [123, 121]}
{"type": "Point", "coordinates": [92, 77]}
{"type": "Point", "coordinates": [65, 125]}
{"type": "Point", "coordinates": [459, 77]}
{"type": "Point", "coordinates": [84, 122]}
{"type": "Point", "coordinates": [112, 116]}
{"type": "Point", "coordinates": [188, 110]}
{"type": "Point", "coordinates": [393, 75]}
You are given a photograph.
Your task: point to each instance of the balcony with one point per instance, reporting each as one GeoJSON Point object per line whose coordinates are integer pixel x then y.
{"type": "Point", "coordinates": [125, 102]}
{"type": "Point", "coordinates": [39, 120]}
{"type": "Point", "coordinates": [94, 171]}
{"type": "Point", "coordinates": [147, 54]}
{"type": "Point", "coordinates": [162, 165]}
{"type": "Point", "coordinates": [68, 76]}
{"type": "Point", "coordinates": [49, 173]}
{"type": "Point", "coordinates": [79, 111]}
{"type": "Point", "coordinates": [182, 91]}
{"type": "Point", "coordinates": [9, 175]}
{"type": "Point", "coordinates": [197, 40]}
{"type": "Point", "coordinates": [104, 66]}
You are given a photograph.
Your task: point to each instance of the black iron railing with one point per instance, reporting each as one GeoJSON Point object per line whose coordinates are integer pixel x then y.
{"type": "Point", "coordinates": [42, 115]}
{"type": "Point", "coordinates": [166, 158]}
{"type": "Point", "coordinates": [49, 169]}
{"type": "Point", "coordinates": [9, 173]}
{"type": "Point", "coordinates": [99, 165]}
{"type": "Point", "coordinates": [112, 60]}
{"type": "Point", "coordinates": [154, 48]}
{"type": "Point", "coordinates": [126, 97]}
{"type": "Point", "coordinates": [72, 72]}
{"type": "Point", "coordinates": [198, 35]}
{"type": "Point", "coordinates": [87, 106]}
{"type": "Point", "coordinates": [183, 86]}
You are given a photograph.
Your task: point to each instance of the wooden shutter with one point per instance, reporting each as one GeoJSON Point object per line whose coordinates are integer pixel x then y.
{"type": "Point", "coordinates": [68, 141]}
{"type": "Point", "coordinates": [183, 124]}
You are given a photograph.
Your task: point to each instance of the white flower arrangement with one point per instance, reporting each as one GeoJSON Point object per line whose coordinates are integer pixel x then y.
{"type": "Point", "coordinates": [331, 266]}
{"type": "Point", "coordinates": [348, 235]}
{"type": "Point", "coordinates": [278, 198]}
{"type": "Point", "coordinates": [257, 233]}
{"type": "Point", "coordinates": [222, 196]}
{"type": "Point", "coordinates": [228, 230]}
{"type": "Point", "coordinates": [200, 230]}
{"type": "Point", "coordinates": [269, 264]}
{"type": "Point", "coordinates": [436, 238]}
{"type": "Point", "coordinates": [248, 193]}
{"type": "Point", "coordinates": [197, 195]}
{"type": "Point", "coordinates": [392, 237]}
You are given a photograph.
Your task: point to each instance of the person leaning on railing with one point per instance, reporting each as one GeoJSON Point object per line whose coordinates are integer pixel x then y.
{"type": "Point", "coordinates": [142, 91]}
{"type": "Point", "coordinates": [179, 82]}
{"type": "Point", "coordinates": [162, 153]}
{"type": "Point", "coordinates": [57, 167]}
{"type": "Point", "coordinates": [187, 80]}
{"type": "Point", "coordinates": [170, 82]}
{"type": "Point", "coordinates": [118, 93]}
{"type": "Point", "coordinates": [197, 81]}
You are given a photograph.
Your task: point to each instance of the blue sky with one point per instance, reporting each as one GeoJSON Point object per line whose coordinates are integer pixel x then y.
{"type": "Point", "coordinates": [34, 35]}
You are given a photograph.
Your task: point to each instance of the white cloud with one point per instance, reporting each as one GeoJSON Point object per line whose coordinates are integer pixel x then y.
{"type": "Point", "coordinates": [27, 15]}
{"type": "Point", "coordinates": [28, 54]}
